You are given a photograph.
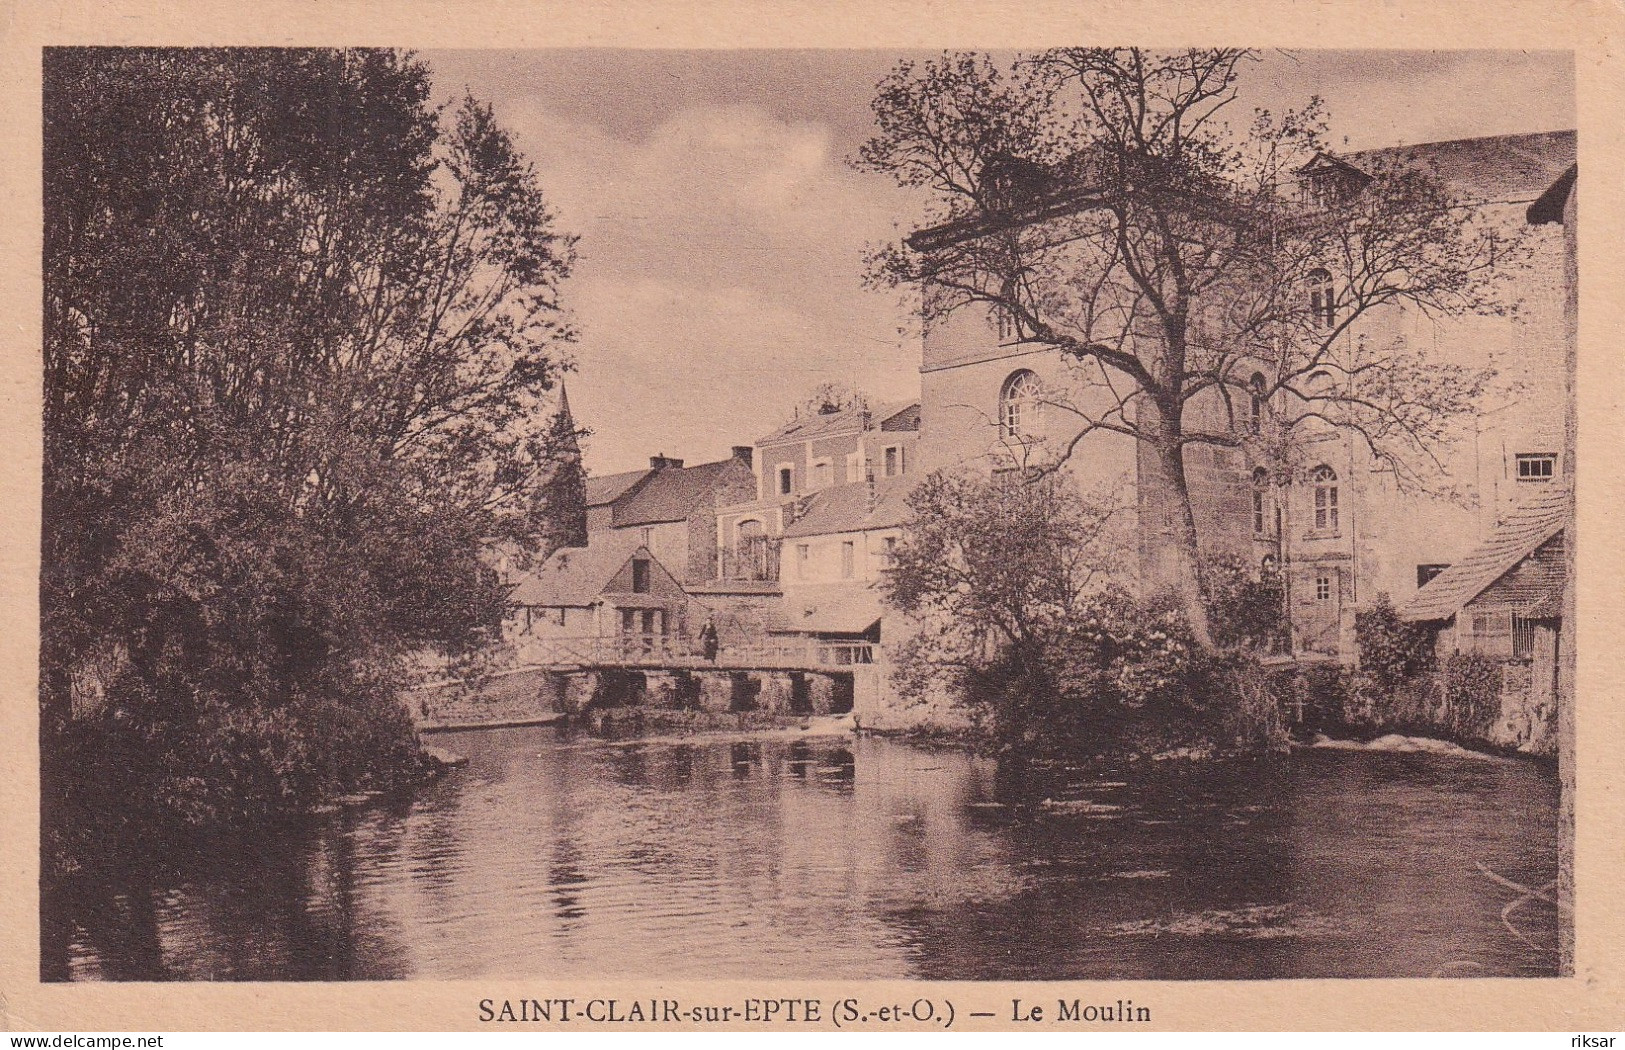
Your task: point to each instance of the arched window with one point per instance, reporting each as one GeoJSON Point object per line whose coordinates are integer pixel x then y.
{"type": "Point", "coordinates": [1322, 304]}
{"type": "Point", "coordinates": [1255, 407]}
{"type": "Point", "coordinates": [1018, 404]}
{"type": "Point", "coordinates": [1325, 482]}
{"type": "Point", "coordinates": [1261, 480]}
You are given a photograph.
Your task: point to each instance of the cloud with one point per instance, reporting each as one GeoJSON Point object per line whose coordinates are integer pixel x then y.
{"type": "Point", "coordinates": [720, 275]}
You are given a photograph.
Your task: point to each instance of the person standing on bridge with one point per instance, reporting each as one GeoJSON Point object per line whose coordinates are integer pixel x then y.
{"type": "Point", "coordinates": [708, 640]}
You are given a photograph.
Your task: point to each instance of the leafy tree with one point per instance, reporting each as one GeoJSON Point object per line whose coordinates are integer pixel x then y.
{"type": "Point", "coordinates": [829, 398]}
{"type": "Point", "coordinates": [994, 571]}
{"type": "Point", "coordinates": [299, 332]}
{"type": "Point", "coordinates": [1097, 203]}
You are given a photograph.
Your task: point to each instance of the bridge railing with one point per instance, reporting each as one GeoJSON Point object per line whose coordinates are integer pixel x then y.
{"type": "Point", "coordinates": [655, 650]}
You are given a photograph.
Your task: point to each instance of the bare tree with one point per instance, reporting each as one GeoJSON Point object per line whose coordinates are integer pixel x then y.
{"type": "Point", "coordinates": [1096, 202]}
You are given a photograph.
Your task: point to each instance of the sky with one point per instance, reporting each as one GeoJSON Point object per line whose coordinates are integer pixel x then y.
{"type": "Point", "coordinates": [723, 231]}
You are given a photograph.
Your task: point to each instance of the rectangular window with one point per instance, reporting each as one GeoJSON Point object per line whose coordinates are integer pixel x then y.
{"type": "Point", "coordinates": [1537, 466]}
{"type": "Point", "coordinates": [786, 480]}
{"type": "Point", "coordinates": [629, 621]}
{"type": "Point", "coordinates": [640, 575]}
{"type": "Point", "coordinates": [1424, 573]}
{"type": "Point", "coordinates": [849, 551]}
{"type": "Point", "coordinates": [803, 556]}
{"type": "Point", "coordinates": [558, 616]}
{"type": "Point", "coordinates": [1323, 588]}
{"type": "Point", "coordinates": [823, 474]}
{"type": "Point", "coordinates": [1523, 637]}
{"type": "Point", "coordinates": [888, 552]}
{"type": "Point", "coordinates": [891, 462]}
{"type": "Point", "coordinates": [1326, 508]}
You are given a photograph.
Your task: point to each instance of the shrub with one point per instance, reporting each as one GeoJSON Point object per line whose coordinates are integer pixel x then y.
{"type": "Point", "coordinates": [1472, 693]}
{"type": "Point", "coordinates": [1391, 650]}
{"type": "Point", "coordinates": [1243, 612]}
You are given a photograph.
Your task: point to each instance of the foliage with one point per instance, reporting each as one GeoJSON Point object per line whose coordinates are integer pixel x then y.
{"type": "Point", "coordinates": [830, 398]}
{"type": "Point", "coordinates": [1009, 585]}
{"type": "Point", "coordinates": [1472, 694]}
{"type": "Point", "coordinates": [299, 327]}
{"type": "Point", "coordinates": [1243, 612]}
{"type": "Point", "coordinates": [1391, 650]}
{"type": "Point", "coordinates": [1098, 202]}
{"type": "Point", "coordinates": [1000, 560]}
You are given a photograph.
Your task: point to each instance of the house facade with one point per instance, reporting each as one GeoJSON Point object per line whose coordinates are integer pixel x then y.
{"type": "Point", "coordinates": [671, 508]}
{"type": "Point", "coordinates": [811, 454]}
{"type": "Point", "coordinates": [615, 587]}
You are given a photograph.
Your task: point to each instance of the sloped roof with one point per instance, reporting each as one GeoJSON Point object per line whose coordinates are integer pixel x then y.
{"type": "Point", "coordinates": [829, 609]}
{"type": "Point", "coordinates": [1494, 168]}
{"type": "Point", "coordinates": [1549, 206]}
{"type": "Point", "coordinates": [845, 508]}
{"type": "Point", "coordinates": [672, 494]}
{"type": "Point", "coordinates": [805, 428]}
{"type": "Point", "coordinates": [1531, 523]}
{"type": "Point", "coordinates": [576, 576]}
{"type": "Point", "coordinates": [612, 487]}
{"type": "Point", "coordinates": [905, 418]}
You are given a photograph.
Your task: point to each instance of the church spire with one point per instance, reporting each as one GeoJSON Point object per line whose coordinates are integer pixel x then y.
{"type": "Point", "coordinates": [560, 508]}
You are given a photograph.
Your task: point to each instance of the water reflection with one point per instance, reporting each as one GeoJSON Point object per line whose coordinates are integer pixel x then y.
{"type": "Point", "coordinates": [552, 854]}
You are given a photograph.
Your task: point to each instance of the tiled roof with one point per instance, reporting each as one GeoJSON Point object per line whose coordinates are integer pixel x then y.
{"type": "Point", "coordinates": [576, 576]}
{"type": "Point", "coordinates": [907, 418]}
{"type": "Point", "coordinates": [671, 495]}
{"type": "Point", "coordinates": [829, 609]}
{"type": "Point", "coordinates": [845, 508]}
{"type": "Point", "coordinates": [805, 428]}
{"type": "Point", "coordinates": [612, 487]}
{"type": "Point", "coordinates": [1531, 523]}
{"type": "Point", "coordinates": [1496, 168]}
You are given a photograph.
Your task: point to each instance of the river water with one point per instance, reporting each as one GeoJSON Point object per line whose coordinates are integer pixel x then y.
{"type": "Point", "coordinates": [558, 855]}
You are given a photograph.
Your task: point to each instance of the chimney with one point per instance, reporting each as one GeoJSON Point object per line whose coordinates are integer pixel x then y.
{"type": "Point", "coordinates": [744, 454]}
{"type": "Point", "coordinates": [657, 462]}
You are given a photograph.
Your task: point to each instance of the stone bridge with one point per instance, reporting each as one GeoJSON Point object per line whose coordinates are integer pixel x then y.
{"type": "Point", "coordinates": [570, 676]}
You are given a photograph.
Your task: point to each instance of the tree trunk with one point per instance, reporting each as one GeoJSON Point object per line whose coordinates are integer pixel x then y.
{"type": "Point", "coordinates": [1170, 559]}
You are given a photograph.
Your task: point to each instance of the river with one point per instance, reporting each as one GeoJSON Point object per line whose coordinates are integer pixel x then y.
{"type": "Point", "coordinates": [552, 854]}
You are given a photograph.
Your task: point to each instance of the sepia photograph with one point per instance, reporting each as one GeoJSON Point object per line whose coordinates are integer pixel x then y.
{"type": "Point", "coordinates": [1071, 514]}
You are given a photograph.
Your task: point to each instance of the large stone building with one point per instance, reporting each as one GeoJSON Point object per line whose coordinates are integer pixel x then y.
{"type": "Point", "coordinates": [1339, 527]}
{"type": "Point", "coordinates": [1349, 528]}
